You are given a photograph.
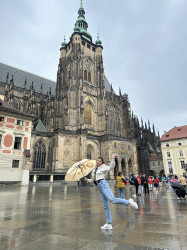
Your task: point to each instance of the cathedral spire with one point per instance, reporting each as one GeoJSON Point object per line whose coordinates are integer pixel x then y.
{"type": "Point", "coordinates": [81, 25]}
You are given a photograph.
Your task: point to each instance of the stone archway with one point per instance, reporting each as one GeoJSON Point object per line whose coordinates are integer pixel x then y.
{"type": "Point", "coordinates": [153, 173]}
{"type": "Point", "coordinates": [130, 167]}
{"type": "Point", "coordinates": [90, 152]}
{"type": "Point", "coordinates": [123, 167]}
{"type": "Point", "coordinates": [161, 173]}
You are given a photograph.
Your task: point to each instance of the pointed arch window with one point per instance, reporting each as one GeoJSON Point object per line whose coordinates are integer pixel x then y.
{"type": "Point", "coordinates": [89, 77]}
{"type": "Point", "coordinates": [39, 155]}
{"type": "Point", "coordinates": [85, 75]}
{"type": "Point", "coordinates": [88, 114]}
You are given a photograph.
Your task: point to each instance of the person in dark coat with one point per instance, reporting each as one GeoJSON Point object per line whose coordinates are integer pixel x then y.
{"type": "Point", "coordinates": [144, 182]}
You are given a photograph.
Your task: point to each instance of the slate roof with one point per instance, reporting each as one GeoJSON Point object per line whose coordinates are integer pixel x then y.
{"type": "Point", "coordinates": [39, 126]}
{"type": "Point", "coordinates": [175, 133]}
{"type": "Point", "coordinates": [20, 76]}
{"type": "Point", "coordinates": [4, 107]}
{"type": "Point", "coordinates": [151, 149]}
{"type": "Point", "coordinates": [155, 158]}
{"type": "Point", "coordinates": [107, 85]}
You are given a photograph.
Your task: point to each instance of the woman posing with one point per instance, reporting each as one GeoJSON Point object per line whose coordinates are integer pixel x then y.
{"type": "Point", "coordinates": [106, 195]}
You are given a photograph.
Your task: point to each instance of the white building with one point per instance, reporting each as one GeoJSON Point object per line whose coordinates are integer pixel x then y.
{"type": "Point", "coordinates": [174, 151]}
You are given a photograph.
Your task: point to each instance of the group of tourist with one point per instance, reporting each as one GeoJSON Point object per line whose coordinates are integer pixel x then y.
{"type": "Point", "coordinates": [145, 184]}
{"type": "Point", "coordinates": [141, 183]}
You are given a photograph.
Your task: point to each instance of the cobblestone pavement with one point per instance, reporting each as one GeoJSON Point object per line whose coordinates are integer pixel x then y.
{"type": "Point", "coordinates": [58, 216]}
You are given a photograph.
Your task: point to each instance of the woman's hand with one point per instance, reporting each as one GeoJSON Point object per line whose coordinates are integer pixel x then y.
{"type": "Point", "coordinates": [113, 156]}
{"type": "Point", "coordinates": [85, 179]}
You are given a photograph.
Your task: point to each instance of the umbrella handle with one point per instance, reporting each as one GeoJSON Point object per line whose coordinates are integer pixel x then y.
{"type": "Point", "coordinates": [82, 171]}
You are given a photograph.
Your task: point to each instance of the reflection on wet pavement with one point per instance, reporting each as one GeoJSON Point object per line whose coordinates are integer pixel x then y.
{"type": "Point", "coordinates": [58, 216]}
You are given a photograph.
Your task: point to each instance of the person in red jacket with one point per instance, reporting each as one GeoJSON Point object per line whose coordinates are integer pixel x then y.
{"type": "Point", "coordinates": [156, 182]}
{"type": "Point", "coordinates": [150, 183]}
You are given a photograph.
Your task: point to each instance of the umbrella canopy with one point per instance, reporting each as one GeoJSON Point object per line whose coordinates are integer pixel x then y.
{"type": "Point", "coordinates": [80, 169]}
{"type": "Point", "coordinates": [177, 185]}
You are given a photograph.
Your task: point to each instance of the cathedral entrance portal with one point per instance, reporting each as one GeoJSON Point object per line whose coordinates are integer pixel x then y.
{"type": "Point", "coordinates": [130, 168]}
{"type": "Point", "coordinates": [123, 167]}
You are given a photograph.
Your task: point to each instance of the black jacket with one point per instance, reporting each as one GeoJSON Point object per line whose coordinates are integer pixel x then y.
{"type": "Point", "coordinates": [144, 181]}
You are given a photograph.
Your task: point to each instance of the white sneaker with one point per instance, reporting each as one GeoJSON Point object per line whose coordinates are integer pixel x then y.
{"type": "Point", "coordinates": [107, 226]}
{"type": "Point", "coordinates": [133, 203]}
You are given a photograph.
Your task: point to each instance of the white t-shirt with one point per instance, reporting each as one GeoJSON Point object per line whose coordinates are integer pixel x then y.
{"type": "Point", "coordinates": [102, 171]}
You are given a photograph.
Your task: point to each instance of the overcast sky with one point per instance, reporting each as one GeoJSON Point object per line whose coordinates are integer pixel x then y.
{"type": "Point", "coordinates": [145, 48]}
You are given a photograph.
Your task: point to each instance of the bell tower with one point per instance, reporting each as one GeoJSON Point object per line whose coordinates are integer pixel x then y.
{"type": "Point", "coordinates": [80, 89]}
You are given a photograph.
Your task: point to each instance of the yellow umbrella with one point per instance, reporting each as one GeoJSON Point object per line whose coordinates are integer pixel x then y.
{"type": "Point", "coordinates": [80, 169]}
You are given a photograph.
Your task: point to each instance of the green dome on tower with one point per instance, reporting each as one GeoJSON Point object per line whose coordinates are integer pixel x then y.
{"type": "Point", "coordinates": [64, 43]}
{"type": "Point", "coordinates": [98, 42]}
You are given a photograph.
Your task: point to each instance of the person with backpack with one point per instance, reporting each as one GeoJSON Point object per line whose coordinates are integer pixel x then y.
{"type": "Point", "coordinates": [156, 182]}
{"type": "Point", "coordinates": [121, 182]}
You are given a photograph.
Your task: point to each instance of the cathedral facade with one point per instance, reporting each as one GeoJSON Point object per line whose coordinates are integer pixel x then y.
{"type": "Point", "coordinates": [80, 116]}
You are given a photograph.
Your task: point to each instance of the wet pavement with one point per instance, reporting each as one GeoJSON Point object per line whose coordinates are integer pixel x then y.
{"type": "Point", "coordinates": [58, 216]}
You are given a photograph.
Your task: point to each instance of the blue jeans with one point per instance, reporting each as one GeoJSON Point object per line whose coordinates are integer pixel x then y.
{"type": "Point", "coordinates": [107, 195]}
{"type": "Point", "coordinates": [121, 193]}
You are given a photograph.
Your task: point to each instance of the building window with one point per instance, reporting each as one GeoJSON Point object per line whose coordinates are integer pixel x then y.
{"type": "Point", "coordinates": [153, 164]}
{"type": "Point", "coordinates": [179, 143]}
{"type": "Point", "coordinates": [15, 164]}
{"type": "Point", "coordinates": [89, 154]}
{"type": "Point", "coordinates": [158, 163]}
{"type": "Point", "coordinates": [83, 43]}
{"type": "Point", "coordinates": [170, 167]}
{"type": "Point", "coordinates": [2, 119]}
{"type": "Point", "coordinates": [0, 140]}
{"type": "Point", "coordinates": [169, 164]}
{"type": "Point", "coordinates": [93, 49]}
{"type": "Point", "coordinates": [85, 75]}
{"type": "Point", "coordinates": [39, 155]}
{"type": "Point", "coordinates": [168, 154]}
{"type": "Point", "coordinates": [88, 46]}
{"type": "Point", "coordinates": [17, 143]}
{"type": "Point", "coordinates": [20, 122]}
{"type": "Point", "coordinates": [182, 164]}
{"type": "Point", "coordinates": [88, 114]}
{"type": "Point", "coordinates": [181, 153]}
{"type": "Point", "coordinates": [89, 77]}
{"type": "Point", "coordinates": [167, 144]}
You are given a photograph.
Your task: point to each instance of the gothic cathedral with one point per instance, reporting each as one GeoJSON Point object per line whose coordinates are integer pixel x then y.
{"type": "Point", "coordinates": [80, 116]}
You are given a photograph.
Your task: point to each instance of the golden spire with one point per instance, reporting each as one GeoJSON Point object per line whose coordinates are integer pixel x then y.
{"type": "Point", "coordinates": [81, 1]}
